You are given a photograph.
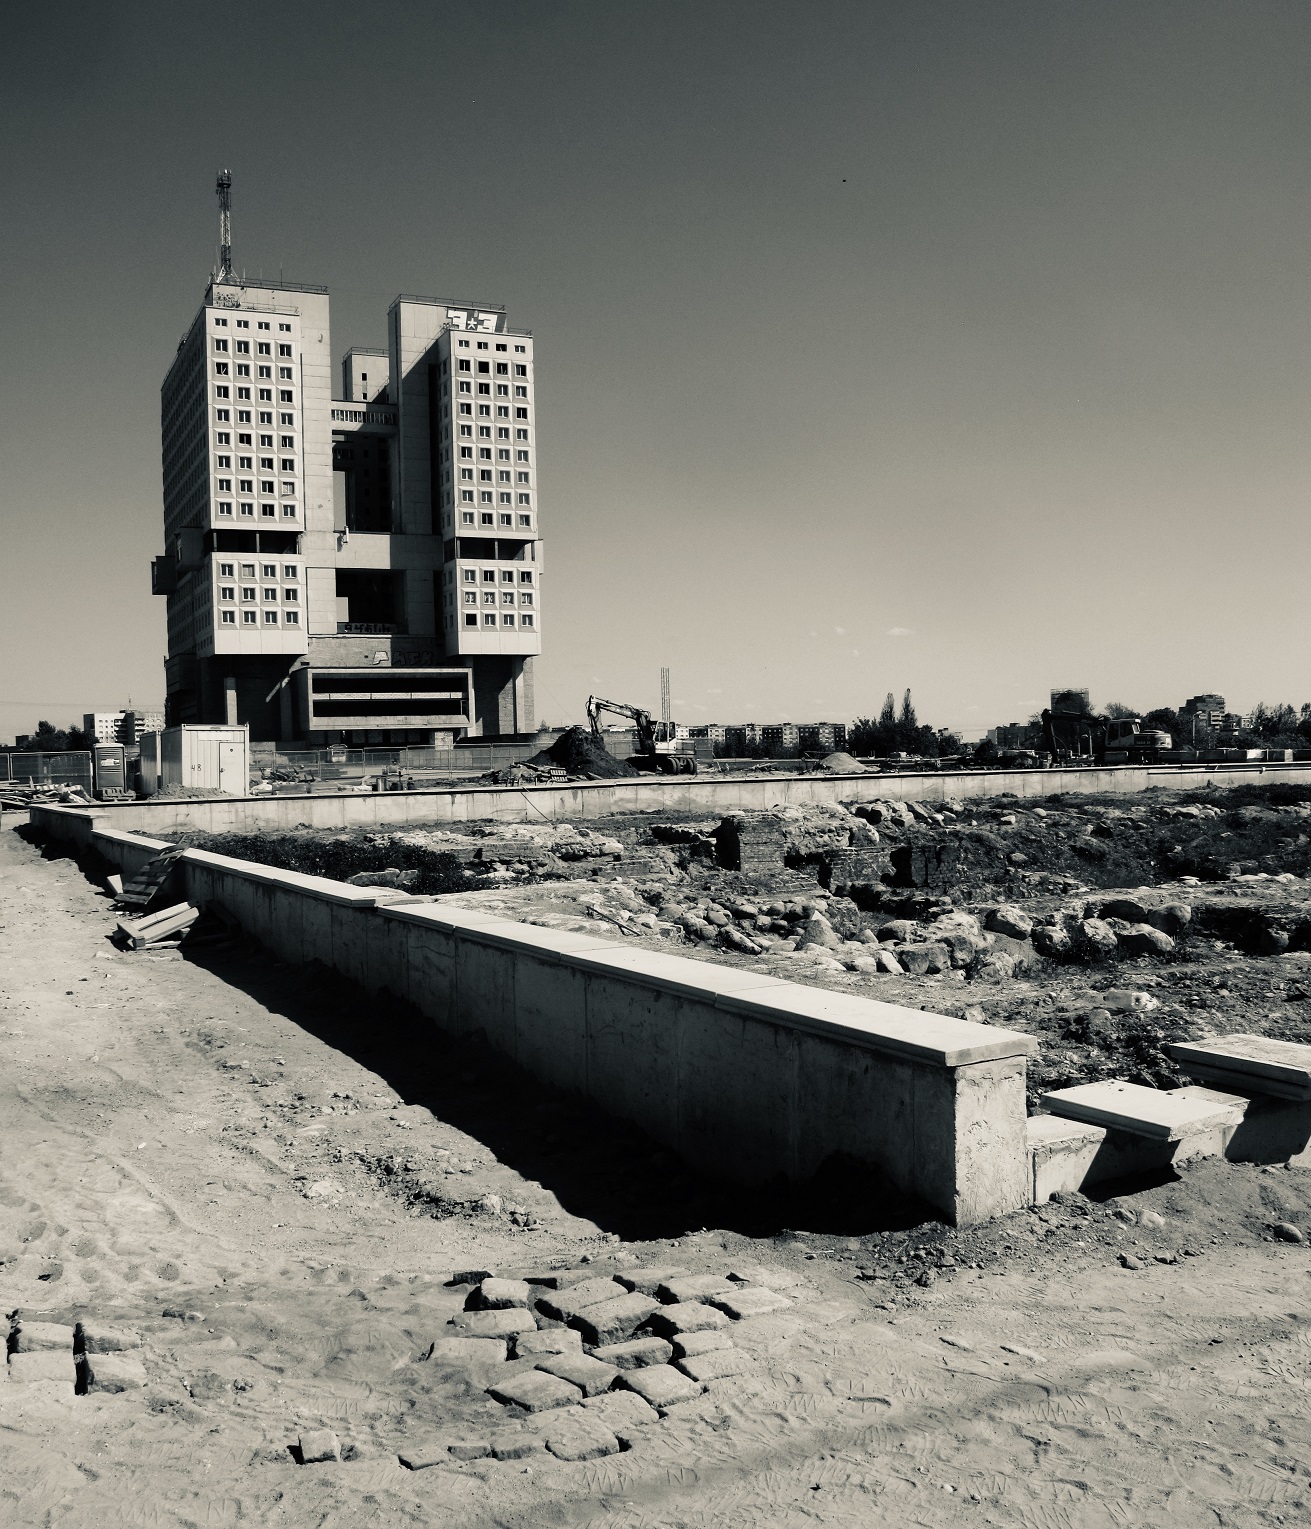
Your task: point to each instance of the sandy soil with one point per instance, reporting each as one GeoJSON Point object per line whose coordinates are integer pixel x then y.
{"type": "Point", "coordinates": [301, 1172]}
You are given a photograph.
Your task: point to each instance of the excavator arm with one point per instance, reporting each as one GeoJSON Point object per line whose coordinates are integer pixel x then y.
{"type": "Point", "coordinates": [640, 719]}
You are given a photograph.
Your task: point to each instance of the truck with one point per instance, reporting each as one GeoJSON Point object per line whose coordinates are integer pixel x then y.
{"type": "Point", "coordinates": [1071, 737]}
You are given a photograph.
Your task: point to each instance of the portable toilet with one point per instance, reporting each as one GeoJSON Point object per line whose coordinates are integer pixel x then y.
{"type": "Point", "coordinates": [110, 763]}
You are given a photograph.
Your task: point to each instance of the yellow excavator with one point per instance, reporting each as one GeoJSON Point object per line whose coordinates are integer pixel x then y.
{"type": "Point", "coordinates": [659, 750]}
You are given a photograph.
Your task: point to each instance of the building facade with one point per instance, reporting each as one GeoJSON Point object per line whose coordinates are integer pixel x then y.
{"type": "Point", "coordinates": [363, 568]}
{"type": "Point", "coordinates": [121, 726]}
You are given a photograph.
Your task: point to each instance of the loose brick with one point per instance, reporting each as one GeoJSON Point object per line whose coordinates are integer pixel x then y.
{"type": "Point", "coordinates": [43, 1365]}
{"type": "Point", "coordinates": [749, 1301]}
{"type": "Point", "coordinates": [561, 1305]}
{"type": "Point", "coordinates": [580, 1437]}
{"type": "Point", "coordinates": [469, 1449]}
{"type": "Point", "coordinates": [33, 1337]}
{"type": "Point", "coordinates": [550, 1340]}
{"type": "Point", "coordinates": [111, 1372]}
{"type": "Point", "coordinates": [500, 1295]}
{"type": "Point", "coordinates": [705, 1342]}
{"type": "Point", "coordinates": [660, 1385]}
{"type": "Point", "coordinates": [318, 1445]}
{"type": "Point", "coordinates": [685, 1317]}
{"type": "Point", "coordinates": [635, 1353]}
{"type": "Point", "coordinates": [612, 1321]}
{"type": "Point", "coordinates": [92, 1338]}
{"type": "Point", "coordinates": [624, 1413]}
{"type": "Point", "coordinates": [468, 1352]}
{"type": "Point", "coordinates": [591, 1376]}
{"type": "Point", "coordinates": [494, 1324]}
{"type": "Point", "coordinates": [714, 1366]}
{"type": "Point", "coordinates": [510, 1444]}
{"type": "Point", "coordinates": [534, 1391]}
{"type": "Point", "coordinates": [693, 1287]}
{"type": "Point", "coordinates": [648, 1281]}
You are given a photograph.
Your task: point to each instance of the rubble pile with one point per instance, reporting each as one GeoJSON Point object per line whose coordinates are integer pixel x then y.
{"type": "Point", "coordinates": [582, 755]}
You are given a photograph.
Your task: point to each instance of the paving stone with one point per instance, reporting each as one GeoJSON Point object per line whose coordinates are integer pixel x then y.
{"type": "Point", "coordinates": [534, 1391]}
{"type": "Point", "coordinates": [646, 1281]}
{"type": "Point", "coordinates": [92, 1338]}
{"type": "Point", "coordinates": [562, 1279]}
{"type": "Point", "coordinates": [635, 1353]}
{"type": "Point", "coordinates": [591, 1376]}
{"type": "Point", "coordinates": [500, 1294]}
{"type": "Point", "coordinates": [624, 1413]}
{"type": "Point", "coordinates": [317, 1445]}
{"type": "Point", "coordinates": [468, 1352]}
{"type": "Point", "coordinates": [693, 1287]}
{"type": "Point", "coordinates": [685, 1317]}
{"type": "Point", "coordinates": [32, 1337]}
{"type": "Point", "coordinates": [715, 1366]}
{"type": "Point", "coordinates": [420, 1457]}
{"type": "Point", "coordinates": [580, 1437]}
{"type": "Point", "coordinates": [771, 1276]}
{"type": "Point", "coordinates": [512, 1444]}
{"type": "Point", "coordinates": [111, 1372]}
{"type": "Point", "coordinates": [550, 1340]}
{"type": "Point", "coordinates": [43, 1365]}
{"type": "Point", "coordinates": [660, 1385]}
{"type": "Point", "coordinates": [749, 1301]}
{"type": "Point", "coordinates": [613, 1321]}
{"type": "Point", "coordinates": [561, 1305]}
{"type": "Point", "coordinates": [469, 1449]}
{"type": "Point", "coordinates": [688, 1345]}
{"type": "Point", "coordinates": [505, 1323]}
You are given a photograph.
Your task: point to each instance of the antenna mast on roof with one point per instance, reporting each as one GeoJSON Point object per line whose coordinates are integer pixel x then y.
{"type": "Point", "coordinates": [224, 188]}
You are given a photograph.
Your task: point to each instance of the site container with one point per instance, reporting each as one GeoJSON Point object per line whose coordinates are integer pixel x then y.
{"type": "Point", "coordinates": [197, 756]}
{"type": "Point", "coordinates": [110, 767]}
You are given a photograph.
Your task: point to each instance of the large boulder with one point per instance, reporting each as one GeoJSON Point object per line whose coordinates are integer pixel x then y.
{"type": "Point", "coordinates": [818, 931]}
{"type": "Point", "coordinates": [898, 929]}
{"type": "Point", "coordinates": [994, 966]}
{"type": "Point", "coordinates": [1010, 921]}
{"type": "Point", "coordinates": [923, 960]}
{"type": "Point", "coordinates": [1095, 938]}
{"type": "Point", "coordinates": [1143, 940]}
{"type": "Point", "coordinates": [1173, 918]}
{"type": "Point", "coordinates": [1052, 941]}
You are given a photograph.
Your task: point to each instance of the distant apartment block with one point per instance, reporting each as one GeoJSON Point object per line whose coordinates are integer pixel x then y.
{"type": "Point", "coordinates": [1015, 735]}
{"type": "Point", "coordinates": [778, 738]}
{"type": "Point", "coordinates": [363, 568]}
{"type": "Point", "coordinates": [121, 726]}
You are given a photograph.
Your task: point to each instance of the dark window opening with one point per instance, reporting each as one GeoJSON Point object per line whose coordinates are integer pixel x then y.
{"type": "Point", "coordinates": [370, 601]}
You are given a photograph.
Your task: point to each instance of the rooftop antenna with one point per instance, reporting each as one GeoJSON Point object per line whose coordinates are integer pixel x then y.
{"type": "Point", "coordinates": [224, 188]}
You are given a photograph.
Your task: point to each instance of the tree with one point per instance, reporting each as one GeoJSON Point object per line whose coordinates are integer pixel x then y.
{"type": "Point", "coordinates": [985, 752]}
{"type": "Point", "coordinates": [1115, 710]}
{"type": "Point", "coordinates": [888, 716]}
{"type": "Point", "coordinates": [908, 717]}
{"type": "Point", "coordinates": [1165, 719]}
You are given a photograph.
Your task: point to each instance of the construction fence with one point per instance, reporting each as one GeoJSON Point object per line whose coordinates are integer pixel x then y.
{"type": "Point", "coordinates": [58, 769]}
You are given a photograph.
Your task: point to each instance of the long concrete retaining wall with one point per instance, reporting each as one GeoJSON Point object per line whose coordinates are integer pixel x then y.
{"type": "Point", "coordinates": [744, 1075]}
{"type": "Point", "coordinates": [706, 794]}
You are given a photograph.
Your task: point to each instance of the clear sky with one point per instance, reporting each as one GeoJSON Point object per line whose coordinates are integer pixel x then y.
{"type": "Point", "coordinates": [962, 347]}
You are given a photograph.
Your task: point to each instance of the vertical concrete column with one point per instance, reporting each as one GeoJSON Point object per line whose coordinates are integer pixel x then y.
{"type": "Point", "coordinates": [230, 699]}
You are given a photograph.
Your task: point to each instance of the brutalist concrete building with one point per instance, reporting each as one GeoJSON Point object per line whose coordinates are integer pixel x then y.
{"type": "Point", "coordinates": [363, 568]}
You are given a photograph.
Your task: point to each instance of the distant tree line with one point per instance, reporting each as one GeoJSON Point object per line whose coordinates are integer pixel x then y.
{"type": "Point", "coordinates": [900, 732]}
{"type": "Point", "coordinates": [49, 740]}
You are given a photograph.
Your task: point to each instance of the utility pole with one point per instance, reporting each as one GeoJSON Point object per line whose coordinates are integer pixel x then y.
{"type": "Point", "coordinates": [664, 696]}
{"type": "Point", "coordinates": [223, 186]}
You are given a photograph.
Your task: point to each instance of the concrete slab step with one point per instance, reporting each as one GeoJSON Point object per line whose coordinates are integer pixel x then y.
{"type": "Point", "coordinates": [1163, 1115]}
{"type": "Point", "coordinates": [1256, 1064]}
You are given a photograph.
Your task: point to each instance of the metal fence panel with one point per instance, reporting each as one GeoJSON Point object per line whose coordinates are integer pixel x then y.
{"type": "Point", "coordinates": [62, 769]}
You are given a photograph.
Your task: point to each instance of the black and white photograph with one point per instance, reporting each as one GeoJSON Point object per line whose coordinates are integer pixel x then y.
{"type": "Point", "coordinates": [655, 764]}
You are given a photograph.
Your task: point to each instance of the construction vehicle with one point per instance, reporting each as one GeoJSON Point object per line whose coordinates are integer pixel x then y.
{"type": "Point", "coordinates": [659, 750]}
{"type": "Point", "coordinates": [1071, 737]}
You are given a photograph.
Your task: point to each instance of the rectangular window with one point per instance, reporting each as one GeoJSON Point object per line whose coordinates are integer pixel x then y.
{"type": "Point", "coordinates": [489, 620]}
{"type": "Point", "coordinates": [268, 570]}
{"type": "Point", "coordinates": [268, 511]}
{"type": "Point", "coordinates": [483, 368]}
{"type": "Point", "coordinates": [243, 392]}
{"type": "Point", "coordinates": [284, 350]}
{"type": "Point", "coordinates": [520, 371]}
{"type": "Point", "coordinates": [249, 618]}
{"type": "Point", "coordinates": [291, 596]}
{"type": "Point", "coordinates": [243, 324]}
{"type": "Point", "coordinates": [225, 485]}
{"type": "Point", "coordinates": [466, 408]}
{"type": "Point", "coordinates": [502, 370]}
{"type": "Point", "coordinates": [261, 325]}
{"type": "Point", "coordinates": [522, 478]}
{"type": "Point", "coordinates": [264, 348]}
{"type": "Point", "coordinates": [288, 512]}
{"type": "Point", "coordinates": [484, 475]}
{"type": "Point", "coordinates": [247, 592]}
{"type": "Point", "coordinates": [292, 618]}
{"type": "Point", "coordinates": [520, 391]}
{"type": "Point", "coordinates": [265, 371]}
{"type": "Point", "coordinates": [246, 507]}
{"type": "Point", "coordinates": [248, 570]}
{"type": "Point", "coordinates": [521, 414]}
{"type": "Point", "coordinates": [287, 442]}
{"type": "Point", "coordinates": [266, 486]}
{"type": "Point", "coordinates": [525, 620]}
{"type": "Point", "coordinates": [466, 517]}
{"type": "Point", "coordinates": [220, 323]}
{"type": "Point", "coordinates": [466, 495]}
{"type": "Point", "coordinates": [467, 451]}
{"type": "Point", "coordinates": [290, 571]}
{"type": "Point", "coordinates": [507, 596]}
{"type": "Point", "coordinates": [466, 387]}
{"type": "Point", "coordinates": [243, 347]}
{"type": "Point", "coordinates": [465, 364]}
{"type": "Point", "coordinates": [470, 619]}
{"type": "Point", "coordinates": [220, 345]}
{"type": "Point", "coordinates": [285, 328]}
{"type": "Point", "coordinates": [229, 618]}
{"type": "Point", "coordinates": [270, 618]}
{"type": "Point", "coordinates": [505, 498]}
{"type": "Point", "coordinates": [243, 368]}
{"type": "Point", "coordinates": [285, 373]}
{"type": "Point", "coordinates": [265, 463]}
{"type": "Point", "coordinates": [507, 620]}
{"type": "Point", "coordinates": [486, 518]}
{"type": "Point", "coordinates": [284, 419]}
{"type": "Point", "coordinates": [502, 412]}
{"type": "Point", "coordinates": [221, 370]}
{"type": "Point", "coordinates": [288, 487]}
{"type": "Point", "coordinates": [227, 592]}
{"type": "Point", "coordinates": [521, 435]}
{"type": "Point", "coordinates": [284, 396]}
{"type": "Point", "coordinates": [525, 522]}
{"type": "Point", "coordinates": [466, 473]}
{"type": "Point", "coordinates": [226, 570]}
{"type": "Point", "coordinates": [525, 577]}
{"type": "Point", "coordinates": [525, 498]}
{"type": "Point", "coordinates": [484, 390]}
{"type": "Point", "coordinates": [502, 390]}
{"type": "Point", "coordinates": [470, 597]}
{"type": "Point", "coordinates": [526, 598]}
{"type": "Point", "coordinates": [270, 594]}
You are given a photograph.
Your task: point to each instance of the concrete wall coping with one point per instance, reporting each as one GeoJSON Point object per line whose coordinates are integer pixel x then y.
{"type": "Point", "coordinates": [937, 1039]}
{"type": "Point", "coordinates": [323, 887]}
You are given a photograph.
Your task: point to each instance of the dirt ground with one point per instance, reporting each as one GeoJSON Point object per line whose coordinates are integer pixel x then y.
{"type": "Point", "coordinates": [294, 1173]}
